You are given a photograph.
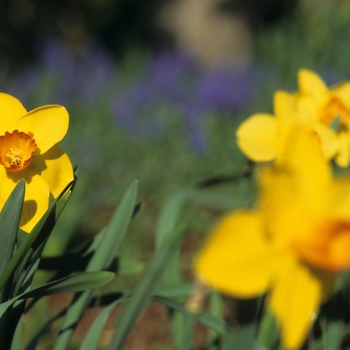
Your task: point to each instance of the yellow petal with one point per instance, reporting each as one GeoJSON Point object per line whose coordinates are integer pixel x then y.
{"type": "Point", "coordinates": [342, 91]}
{"type": "Point", "coordinates": [307, 110]}
{"type": "Point", "coordinates": [296, 191]}
{"type": "Point", "coordinates": [49, 124]}
{"type": "Point", "coordinates": [36, 198]}
{"type": "Point", "coordinates": [257, 137]}
{"type": "Point", "coordinates": [36, 202]}
{"type": "Point", "coordinates": [303, 156]}
{"type": "Point", "coordinates": [295, 300]}
{"type": "Point", "coordinates": [329, 140]}
{"type": "Point", "coordinates": [343, 156]}
{"type": "Point", "coordinates": [285, 109]}
{"type": "Point", "coordinates": [338, 202]}
{"type": "Point", "coordinates": [3, 182]}
{"type": "Point", "coordinates": [311, 84]}
{"type": "Point", "coordinates": [236, 259]}
{"type": "Point", "coordinates": [280, 205]}
{"type": "Point", "coordinates": [11, 110]}
{"type": "Point", "coordinates": [55, 168]}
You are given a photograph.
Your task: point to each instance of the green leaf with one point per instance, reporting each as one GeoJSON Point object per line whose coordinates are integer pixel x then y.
{"type": "Point", "coordinates": [188, 333]}
{"type": "Point", "coordinates": [170, 214]}
{"type": "Point", "coordinates": [80, 261]}
{"type": "Point", "coordinates": [33, 344]}
{"type": "Point", "coordinates": [34, 239]}
{"type": "Point", "coordinates": [336, 124]}
{"type": "Point", "coordinates": [142, 293]}
{"type": "Point", "coordinates": [17, 336]}
{"type": "Point", "coordinates": [92, 338]}
{"type": "Point", "coordinates": [130, 267]}
{"type": "Point", "coordinates": [216, 309]}
{"type": "Point", "coordinates": [78, 282]}
{"type": "Point", "coordinates": [9, 224]}
{"type": "Point", "coordinates": [269, 331]}
{"type": "Point", "coordinates": [104, 250]}
{"type": "Point", "coordinates": [242, 338]}
{"type": "Point", "coordinates": [215, 323]}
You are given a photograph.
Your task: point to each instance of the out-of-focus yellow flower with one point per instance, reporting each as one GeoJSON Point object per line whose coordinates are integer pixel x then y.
{"type": "Point", "coordinates": [262, 136]}
{"type": "Point", "coordinates": [324, 112]}
{"type": "Point", "coordinates": [29, 150]}
{"type": "Point", "coordinates": [330, 107]}
{"type": "Point", "coordinates": [291, 246]}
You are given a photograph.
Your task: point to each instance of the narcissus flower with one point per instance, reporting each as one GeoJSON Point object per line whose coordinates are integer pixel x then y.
{"type": "Point", "coordinates": [29, 150]}
{"type": "Point", "coordinates": [291, 246]}
{"type": "Point", "coordinates": [262, 136]}
{"type": "Point", "coordinates": [324, 111]}
{"type": "Point", "coordinates": [330, 108]}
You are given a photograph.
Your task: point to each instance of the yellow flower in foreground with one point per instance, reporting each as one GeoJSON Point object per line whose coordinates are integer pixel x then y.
{"type": "Point", "coordinates": [326, 112]}
{"type": "Point", "coordinates": [291, 246]}
{"type": "Point", "coordinates": [29, 150]}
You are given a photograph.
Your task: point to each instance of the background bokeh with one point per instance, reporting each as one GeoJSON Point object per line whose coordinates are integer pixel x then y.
{"type": "Point", "coordinates": [155, 90]}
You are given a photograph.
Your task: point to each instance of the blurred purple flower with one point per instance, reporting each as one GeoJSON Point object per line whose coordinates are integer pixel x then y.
{"type": "Point", "coordinates": [176, 81]}
{"type": "Point", "coordinates": [65, 76]}
{"type": "Point", "coordinates": [172, 85]}
{"type": "Point", "coordinates": [226, 90]}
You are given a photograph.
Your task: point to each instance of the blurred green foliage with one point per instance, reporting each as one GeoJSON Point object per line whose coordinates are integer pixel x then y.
{"type": "Point", "coordinates": [314, 36]}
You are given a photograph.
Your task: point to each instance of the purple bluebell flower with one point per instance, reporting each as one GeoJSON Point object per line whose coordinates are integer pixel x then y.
{"type": "Point", "coordinates": [64, 76]}
{"type": "Point", "coordinates": [177, 81]}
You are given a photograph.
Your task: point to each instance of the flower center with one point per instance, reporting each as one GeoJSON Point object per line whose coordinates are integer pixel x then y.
{"type": "Point", "coordinates": [335, 108]}
{"type": "Point", "coordinates": [16, 150]}
{"type": "Point", "coordinates": [329, 246]}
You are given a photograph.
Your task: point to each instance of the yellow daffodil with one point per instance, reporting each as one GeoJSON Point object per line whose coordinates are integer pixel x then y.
{"type": "Point", "coordinates": [291, 246]}
{"type": "Point", "coordinates": [29, 150]}
{"type": "Point", "coordinates": [262, 136]}
{"type": "Point", "coordinates": [326, 112]}
{"type": "Point", "coordinates": [330, 107]}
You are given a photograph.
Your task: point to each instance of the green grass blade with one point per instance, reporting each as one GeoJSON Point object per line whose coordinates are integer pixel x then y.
{"type": "Point", "coordinates": [242, 338]}
{"type": "Point", "coordinates": [78, 282]}
{"type": "Point", "coordinates": [106, 247]}
{"type": "Point", "coordinates": [269, 331]}
{"type": "Point", "coordinates": [188, 333]}
{"type": "Point", "coordinates": [17, 336]}
{"type": "Point", "coordinates": [115, 233]}
{"type": "Point", "coordinates": [9, 223]}
{"type": "Point", "coordinates": [143, 291]}
{"type": "Point", "coordinates": [33, 343]}
{"type": "Point", "coordinates": [216, 309]}
{"type": "Point", "coordinates": [333, 336]}
{"type": "Point", "coordinates": [168, 219]}
{"type": "Point", "coordinates": [215, 323]}
{"type": "Point", "coordinates": [92, 338]}
{"type": "Point", "coordinates": [169, 215]}
{"type": "Point", "coordinates": [34, 239]}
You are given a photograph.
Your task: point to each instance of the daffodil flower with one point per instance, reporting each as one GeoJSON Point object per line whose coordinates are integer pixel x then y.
{"type": "Point", "coordinates": [324, 112]}
{"type": "Point", "coordinates": [29, 150]}
{"type": "Point", "coordinates": [291, 246]}
{"type": "Point", "coordinates": [262, 136]}
{"type": "Point", "coordinates": [330, 107]}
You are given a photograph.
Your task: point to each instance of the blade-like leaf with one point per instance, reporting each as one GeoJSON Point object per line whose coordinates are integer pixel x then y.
{"type": "Point", "coordinates": [34, 239]}
{"type": "Point", "coordinates": [166, 224]}
{"type": "Point", "coordinates": [143, 291]}
{"type": "Point", "coordinates": [107, 246]}
{"type": "Point", "coordinates": [242, 338]}
{"type": "Point", "coordinates": [78, 282]}
{"type": "Point", "coordinates": [9, 223]}
{"type": "Point", "coordinates": [92, 338]}
{"type": "Point", "coordinates": [188, 333]}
